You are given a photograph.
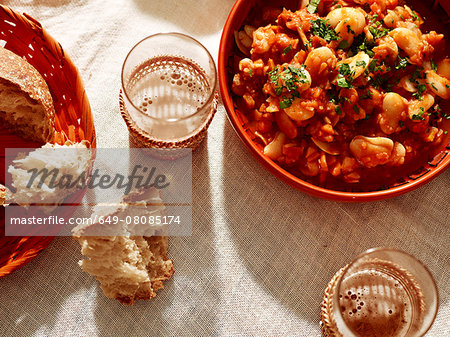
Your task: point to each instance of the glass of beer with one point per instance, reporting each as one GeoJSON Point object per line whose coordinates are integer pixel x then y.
{"type": "Point", "coordinates": [168, 96]}
{"type": "Point", "coordinates": [383, 292]}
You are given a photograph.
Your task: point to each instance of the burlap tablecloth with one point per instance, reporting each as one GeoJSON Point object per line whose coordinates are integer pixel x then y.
{"type": "Point", "coordinates": [261, 252]}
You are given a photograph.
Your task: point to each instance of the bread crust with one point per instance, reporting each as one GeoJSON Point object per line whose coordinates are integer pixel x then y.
{"type": "Point", "coordinates": [2, 194]}
{"type": "Point", "coordinates": [17, 72]}
{"type": "Point", "coordinates": [129, 267]}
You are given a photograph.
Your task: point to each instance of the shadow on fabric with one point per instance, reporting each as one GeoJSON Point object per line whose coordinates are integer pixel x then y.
{"type": "Point", "coordinates": [189, 301]}
{"type": "Point", "coordinates": [292, 243]}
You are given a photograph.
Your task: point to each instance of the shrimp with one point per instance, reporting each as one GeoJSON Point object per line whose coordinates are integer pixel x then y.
{"type": "Point", "coordinates": [320, 62]}
{"type": "Point", "coordinates": [250, 68]}
{"type": "Point", "coordinates": [244, 39]}
{"type": "Point", "coordinates": [347, 22]}
{"type": "Point", "coordinates": [399, 16]}
{"type": "Point", "coordinates": [371, 151]}
{"type": "Point", "coordinates": [394, 110]}
{"type": "Point", "coordinates": [408, 41]}
{"type": "Point", "coordinates": [386, 48]}
{"type": "Point", "coordinates": [263, 39]}
{"type": "Point", "coordinates": [439, 85]}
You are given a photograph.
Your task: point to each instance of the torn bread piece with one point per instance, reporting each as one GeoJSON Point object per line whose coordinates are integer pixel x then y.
{"type": "Point", "coordinates": [128, 266]}
{"type": "Point", "coordinates": [2, 194]}
{"type": "Point", "coordinates": [26, 105]}
{"type": "Point", "coordinates": [70, 160]}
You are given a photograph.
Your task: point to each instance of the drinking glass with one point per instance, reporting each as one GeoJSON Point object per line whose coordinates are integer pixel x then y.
{"type": "Point", "coordinates": [383, 292]}
{"type": "Point", "coordinates": [168, 96]}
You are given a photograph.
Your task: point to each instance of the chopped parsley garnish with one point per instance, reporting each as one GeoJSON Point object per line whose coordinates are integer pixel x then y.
{"type": "Point", "coordinates": [415, 16]}
{"type": "Point", "coordinates": [344, 83]}
{"type": "Point", "coordinates": [419, 116]}
{"type": "Point", "coordinates": [402, 64]}
{"type": "Point", "coordinates": [433, 86]}
{"type": "Point", "coordinates": [380, 82]}
{"type": "Point", "coordinates": [418, 74]}
{"type": "Point", "coordinates": [433, 65]}
{"type": "Point", "coordinates": [312, 7]}
{"type": "Point", "coordinates": [447, 86]}
{"type": "Point", "coordinates": [285, 103]}
{"type": "Point", "coordinates": [374, 18]}
{"type": "Point", "coordinates": [374, 67]}
{"type": "Point", "coordinates": [421, 88]}
{"type": "Point", "coordinates": [337, 101]}
{"type": "Point", "coordinates": [378, 32]}
{"type": "Point", "coordinates": [345, 69]}
{"type": "Point", "coordinates": [323, 29]}
{"type": "Point", "coordinates": [287, 80]}
{"type": "Point", "coordinates": [287, 49]}
{"type": "Point", "coordinates": [250, 72]}
{"type": "Point", "coordinates": [343, 44]}
{"type": "Point", "coordinates": [368, 95]}
{"type": "Point", "coordinates": [361, 63]}
{"type": "Point", "coordinates": [362, 44]}
{"type": "Point", "coordinates": [345, 77]}
{"type": "Point", "coordinates": [356, 108]}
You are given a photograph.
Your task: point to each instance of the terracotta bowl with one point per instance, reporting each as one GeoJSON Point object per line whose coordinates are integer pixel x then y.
{"type": "Point", "coordinates": [227, 50]}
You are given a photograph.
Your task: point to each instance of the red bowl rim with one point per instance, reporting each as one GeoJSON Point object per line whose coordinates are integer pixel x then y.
{"type": "Point", "coordinates": [281, 173]}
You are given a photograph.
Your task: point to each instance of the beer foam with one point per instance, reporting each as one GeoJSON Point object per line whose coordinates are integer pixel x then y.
{"type": "Point", "coordinates": [173, 87]}
{"type": "Point", "coordinates": [376, 303]}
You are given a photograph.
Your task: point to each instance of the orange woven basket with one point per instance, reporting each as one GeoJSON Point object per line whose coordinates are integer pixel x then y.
{"type": "Point", "coordinates": [25, 36]}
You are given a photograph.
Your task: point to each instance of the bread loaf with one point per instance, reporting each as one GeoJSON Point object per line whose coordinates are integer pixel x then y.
{"type": "Point", "coordinates": [128, 266]}
{"type": "Point", "coordinates": [26, 105]}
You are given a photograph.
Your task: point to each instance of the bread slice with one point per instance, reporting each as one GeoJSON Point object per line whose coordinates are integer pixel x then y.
{"type": "Point", "coordinates": [129, 267]}
{"type": "Point", "coordinates": [26, 105]}
{"type": "Point", "coordinates": [75, 162]}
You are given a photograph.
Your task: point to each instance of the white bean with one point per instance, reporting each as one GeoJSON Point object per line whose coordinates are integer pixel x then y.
{"type": "Point", "coordinates": [320, 62]}
{"type": "Point", "coordinates": [443, 68]}
{"type": "Point", "coordinates": [298, 112]}
{"type": "Point", "coordinates": [358, 63]}
{"type": "Point", "coordinates": [371, 151]}
{"type": "Point", "coordinates": [393, 108]}
{"type": "Point", "coordinates": [418, 108]}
